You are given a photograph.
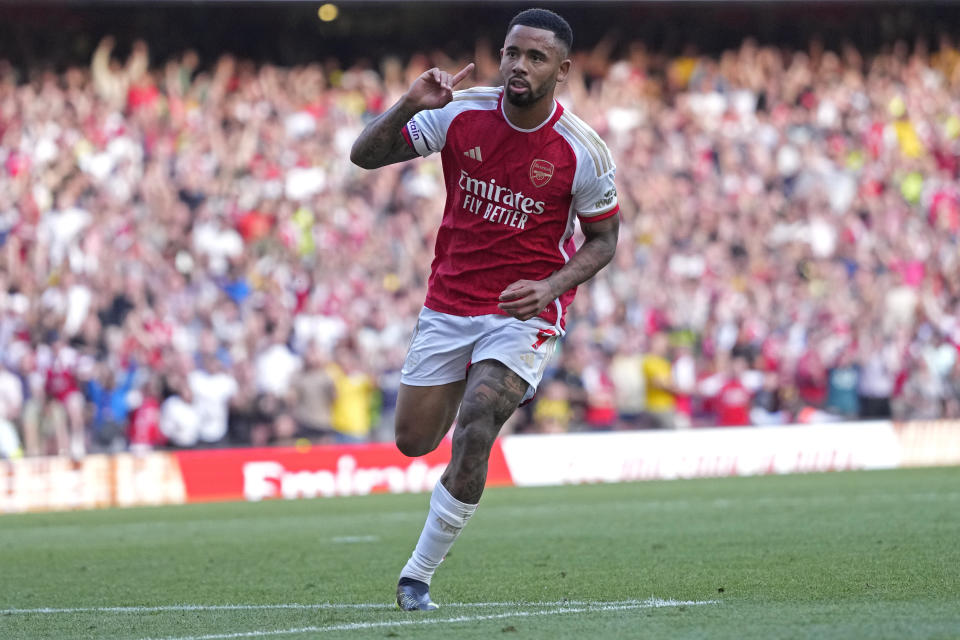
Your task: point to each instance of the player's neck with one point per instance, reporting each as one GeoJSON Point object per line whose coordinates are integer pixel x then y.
{"type": "Point", "coordinates": [531, 116]}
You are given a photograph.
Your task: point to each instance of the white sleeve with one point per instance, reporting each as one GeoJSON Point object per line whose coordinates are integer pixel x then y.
{"type": "Point", "coordinates": [594, 196]}
{"type": "Point", "coordinates": [427, 130]}
{"type": "Point", "coordinates": [594, 189]}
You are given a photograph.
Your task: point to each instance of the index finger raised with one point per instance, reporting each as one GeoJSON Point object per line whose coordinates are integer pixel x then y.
{"type": "Point", "coordinates": [461, 74]}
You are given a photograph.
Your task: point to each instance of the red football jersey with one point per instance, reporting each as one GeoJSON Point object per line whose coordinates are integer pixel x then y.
{"type": "Point", "coordinates": [733, 405]}
{"type": "Point", "coordinates": [513, 196]}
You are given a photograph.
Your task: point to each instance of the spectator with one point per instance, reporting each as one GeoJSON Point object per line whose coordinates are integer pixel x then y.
{"type": "Point", "coordinates": [276, 365]}
{"type": "Point", "coordinates": [211, 388]}
{"type": "Point", "coordinates": [842, 383]}
{"type": "Point", "coordinates": [9, 441]}
{"type": "Point", "coordinates": [144, 433]}
{"type": "Point", "coordinates": [351, 414]}
{"type": "Point", "coordinates": [658, 381]}
{"type": "Point", "coordinates": [44, 424]}
{"type": "Point", "coordinates": [110, 402]}
{"type": "Point", "coordinates": [923, 393]}
{"type": "Point", "coordinates": [601, 408]}
{"type": "Point", "coordinates": [552, 411]}
{"type": "Point", "coordinates": [248, 418]}
{"type": "Point", "coordinates": [733, 400]}
{"type": "Point", "coordinates": [768, 404]}
{"type": "Point", "coordinates": [685, 383]}
{"type": "Point", "coordinates": [568, 374]}
{"type": "Point", "coordinates": [314, 394]}
{"type": "Point", "coordinates": [626, 373]}
{"type": "Point", "coordinates": [63, 392]}
{"type": "Point", "coordinates": [11, 398]}
{"type": "Point", "coordinates": [180, 421]}
{"type": "Point", "coordinates": [952, 392]}
{"type": "Point", "coordinates": [877, 378]}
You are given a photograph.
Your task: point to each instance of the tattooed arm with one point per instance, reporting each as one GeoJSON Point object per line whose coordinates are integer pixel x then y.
{"type": "Point", "coordinates": [381, 142]}
{"type": "Point", "coordinates": [525, 299]}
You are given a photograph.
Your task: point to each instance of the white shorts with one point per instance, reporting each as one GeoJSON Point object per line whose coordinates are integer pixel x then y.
{"type": "Point", "coordinates": [444, 345]}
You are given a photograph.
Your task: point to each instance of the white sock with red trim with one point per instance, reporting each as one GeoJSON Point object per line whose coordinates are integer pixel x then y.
{"type": "Point", "coordinates": [447, 518]}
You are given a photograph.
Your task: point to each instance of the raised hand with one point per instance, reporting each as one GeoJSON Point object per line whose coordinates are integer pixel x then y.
{"type": "Point", "coordinates": [434, 88]}
{"type": "Point", "coordinates": [381, 143]}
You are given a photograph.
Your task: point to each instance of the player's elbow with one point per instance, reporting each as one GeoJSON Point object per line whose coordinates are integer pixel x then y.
{"type": "Point", "coordinates": [363, 153]}
{"type": "Point", "coordinates": [361, 159]}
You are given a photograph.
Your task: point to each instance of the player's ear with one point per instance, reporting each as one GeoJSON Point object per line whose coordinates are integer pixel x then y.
{"type": "Point", "coordinates": [563, 70]}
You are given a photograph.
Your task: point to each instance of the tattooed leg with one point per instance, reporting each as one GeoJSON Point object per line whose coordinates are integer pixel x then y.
{"type": "Point", "coordinates": [492, 395]}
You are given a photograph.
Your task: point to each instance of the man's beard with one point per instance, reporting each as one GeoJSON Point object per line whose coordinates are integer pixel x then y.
{"type": "Point", "coordinates": [524, 99]}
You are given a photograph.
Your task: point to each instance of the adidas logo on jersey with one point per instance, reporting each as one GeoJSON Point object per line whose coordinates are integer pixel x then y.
{"type": "Point", "coordinates": [474, 153]}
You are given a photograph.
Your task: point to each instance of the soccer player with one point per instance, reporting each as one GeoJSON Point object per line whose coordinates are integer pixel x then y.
{"type": "Point", "coordinates": [519, 171]}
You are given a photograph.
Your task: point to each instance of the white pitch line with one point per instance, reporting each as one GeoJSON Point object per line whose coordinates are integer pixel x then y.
{"type": "Point", "coordinates": [653, 603]}
{"type": "Point", "coordinates": [194, 607]}
{"type": "Point", "coordinates": [329, 605]}
{"type": "Point", "coordinates": [352, 539]}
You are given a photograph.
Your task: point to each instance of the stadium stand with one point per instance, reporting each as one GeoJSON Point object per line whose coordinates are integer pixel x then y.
{"type": "Point", "coordinates": [188, 259]}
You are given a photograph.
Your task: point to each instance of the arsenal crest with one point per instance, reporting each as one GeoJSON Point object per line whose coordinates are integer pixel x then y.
{"type": "Point", "coordinates": [540, 172]}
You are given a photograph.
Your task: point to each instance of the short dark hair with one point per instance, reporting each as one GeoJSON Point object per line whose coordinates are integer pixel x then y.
{"type": "Point", "coordinates": [547, 20]}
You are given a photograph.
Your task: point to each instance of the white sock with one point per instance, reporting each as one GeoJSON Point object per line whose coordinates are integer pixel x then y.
{"type": "Point", "coordinates": [447, 518]}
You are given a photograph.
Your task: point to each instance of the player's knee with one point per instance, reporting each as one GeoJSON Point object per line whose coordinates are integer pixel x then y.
{"type": "Point", "coordinates": [412, 444]}
{"type": "Point", "coordinates": [482, 416]}
{"type": "Point", "coordinates": [475, 436]}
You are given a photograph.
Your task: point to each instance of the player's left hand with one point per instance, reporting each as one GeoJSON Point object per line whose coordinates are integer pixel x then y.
{"type": "Point", "coordinates": [525, 299]}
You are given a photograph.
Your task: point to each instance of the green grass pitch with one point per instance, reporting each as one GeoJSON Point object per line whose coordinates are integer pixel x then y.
{"type": "Point", "coordinates": [841, 555]}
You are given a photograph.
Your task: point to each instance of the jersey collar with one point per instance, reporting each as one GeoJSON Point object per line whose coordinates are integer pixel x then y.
{"type": "Point", "coordinates": [551, 119]}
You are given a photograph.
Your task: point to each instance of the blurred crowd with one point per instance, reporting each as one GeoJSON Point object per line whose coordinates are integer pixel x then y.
{"type": "Point", "coordinates": [188, 258]}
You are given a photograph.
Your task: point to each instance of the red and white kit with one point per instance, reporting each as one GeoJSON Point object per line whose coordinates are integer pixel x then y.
{"type": "Point", "coordinates": [512, 195]}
